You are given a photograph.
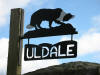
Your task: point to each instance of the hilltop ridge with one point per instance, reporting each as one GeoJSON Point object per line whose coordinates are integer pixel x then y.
{"type": "Point", "coordinates": [71, 68]}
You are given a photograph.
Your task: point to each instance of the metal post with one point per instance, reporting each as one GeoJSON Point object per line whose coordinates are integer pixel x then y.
{"type": "Point", "coordinates": [15, 43]}
{"type": "Point", "coordinates": [71, 37]}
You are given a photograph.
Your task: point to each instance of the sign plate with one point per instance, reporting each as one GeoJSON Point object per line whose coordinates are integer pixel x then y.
{"type": "Point", "coordinates": [64, 49]}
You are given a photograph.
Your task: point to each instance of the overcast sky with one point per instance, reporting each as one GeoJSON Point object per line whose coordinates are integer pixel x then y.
{"type": "Point", "coordinates": [86, 22]}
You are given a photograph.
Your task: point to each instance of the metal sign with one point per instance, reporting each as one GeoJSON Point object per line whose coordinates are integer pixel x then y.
{"type": "Point", "coordinates": [63, 49]}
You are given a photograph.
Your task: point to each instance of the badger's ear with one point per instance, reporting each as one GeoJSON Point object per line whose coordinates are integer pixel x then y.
{"type": "Point", "coordinates": [58, 9]}
{"type": "Point", "coordinates": [68, 17]}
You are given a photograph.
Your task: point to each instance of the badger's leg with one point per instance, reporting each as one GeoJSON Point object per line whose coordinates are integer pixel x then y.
{"type": "Point", "coordinates": [50, 24]}
{"type": "Point", "coordinates": [59, 22]}
{"type": "Point", "coordinates": [36, 27]}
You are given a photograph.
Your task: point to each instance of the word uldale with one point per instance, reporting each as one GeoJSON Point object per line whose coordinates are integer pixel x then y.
{"type": "Point", "coordinates": [64, 49]}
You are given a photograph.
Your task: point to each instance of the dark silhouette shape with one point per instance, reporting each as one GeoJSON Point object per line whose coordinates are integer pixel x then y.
{"type": "Point", "coordinates": [57, 15]}
{"type": "Point", "coordinates": [63, 29]}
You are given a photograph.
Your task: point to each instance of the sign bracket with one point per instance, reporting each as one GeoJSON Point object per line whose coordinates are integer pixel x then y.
{"type": "Point", "coordinates": [28, 41]}
{"type": "Point", "coordinates": [71, 37]}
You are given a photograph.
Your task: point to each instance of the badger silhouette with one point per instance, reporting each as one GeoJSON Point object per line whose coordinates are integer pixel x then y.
{"type": "Point", "coordinates": [57, 15]}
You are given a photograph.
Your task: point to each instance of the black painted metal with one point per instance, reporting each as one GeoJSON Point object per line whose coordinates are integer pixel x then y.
{"type": "Point", "coordinates": [65, 29]}
{"type": "Point", "coordinates": [57, 15]}
{"type": "Point", "coordinates": [49, 15]}
{"type": "Point", "coordinates": [39, 48]}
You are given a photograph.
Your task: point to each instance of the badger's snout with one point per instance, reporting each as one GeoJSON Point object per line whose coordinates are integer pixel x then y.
{"type": "Point", "coordinates": [68, 17]}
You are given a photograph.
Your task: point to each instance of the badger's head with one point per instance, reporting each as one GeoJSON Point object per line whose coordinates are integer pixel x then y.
{"type": "Point", "coordinates": [68, 17]}
{"type": "Point", "coordinates": [63, 16]}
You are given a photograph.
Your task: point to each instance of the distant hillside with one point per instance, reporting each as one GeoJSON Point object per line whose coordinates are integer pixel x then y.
{"type": "Point", "coordinates": [71, 68]}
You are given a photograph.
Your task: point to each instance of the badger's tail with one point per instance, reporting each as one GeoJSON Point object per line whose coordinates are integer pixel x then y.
{"type": "Point", "coordinates": [29, 26]}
